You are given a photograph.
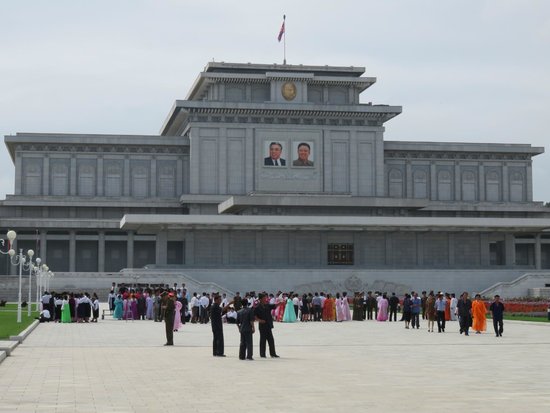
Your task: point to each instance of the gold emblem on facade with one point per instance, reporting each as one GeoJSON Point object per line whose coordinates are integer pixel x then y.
{"type": "Point", "coordinates": [288, 90]}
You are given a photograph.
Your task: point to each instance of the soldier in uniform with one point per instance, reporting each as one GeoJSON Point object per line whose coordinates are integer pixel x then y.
{"type": "Point", "coordinates": [169, 308]}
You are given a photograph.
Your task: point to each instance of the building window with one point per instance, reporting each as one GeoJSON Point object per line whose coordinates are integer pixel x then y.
{"type": "Point", "coordinates": [340, 254]}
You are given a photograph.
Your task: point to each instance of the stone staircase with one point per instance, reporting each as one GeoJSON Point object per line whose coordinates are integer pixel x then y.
{"type": "Point", "coordinates": [528, 285]}
{"type": "Point", "coordinates": [100, 283]}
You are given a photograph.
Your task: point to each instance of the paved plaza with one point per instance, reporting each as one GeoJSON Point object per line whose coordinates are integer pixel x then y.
{"type": "Point", "coordinates": [122, 366]}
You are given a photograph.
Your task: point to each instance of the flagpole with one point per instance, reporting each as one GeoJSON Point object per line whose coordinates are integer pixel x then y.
{"type": "Point", "coordinates": [284, 40]}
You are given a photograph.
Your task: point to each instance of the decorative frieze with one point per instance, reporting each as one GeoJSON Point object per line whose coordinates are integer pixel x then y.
{"type": "Point", "coordinates": [97, 149]}
{"type": "Point", "coordinates": [456, 155]}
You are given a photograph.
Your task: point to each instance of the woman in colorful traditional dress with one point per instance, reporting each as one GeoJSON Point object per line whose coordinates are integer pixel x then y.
{"type": "Point", "coordinates": [383, 308]}
{"type": "Point", "coordinates": [119, 307]}
{"type": "Point", "coordinates": [289, 314]}
{"type": "Point", "coordinates": [66, 311]}
{"type": "Point", "coordinates": [329, 310]}
{"type": "Point", "coordinates": [177, 316]}
{"type": "Point", "coordinates": [340, 316]}
{"type": "Point", "coordinates": [345, 307]}
{"type": "Point", "coordinates": [479, 314]}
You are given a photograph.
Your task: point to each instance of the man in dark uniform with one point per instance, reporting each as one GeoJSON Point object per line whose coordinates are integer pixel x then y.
{"type": "Point", "coordinates": [371, 305]}
{"type": "Point", "coordinates": [217, 327]}
{"type": "Point", "coordinates": [497, 308]}
{"type": "Point", "coordinates": [168, 309]}
{"type": "Point", "coordinates": [265, 323]}
{"type": "Point", "coordinates": [245, 323]}
{"type": "Point", "coordinates": [394, 303]}
{"type": "Point", "coordinates": [464, 307]}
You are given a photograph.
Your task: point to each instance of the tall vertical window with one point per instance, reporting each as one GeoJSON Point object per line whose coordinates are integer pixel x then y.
{"type": "Point", "coordinates": [340, 254]}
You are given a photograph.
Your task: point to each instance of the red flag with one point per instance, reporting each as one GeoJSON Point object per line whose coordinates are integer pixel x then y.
{"type": "Point", "coordinates": [282, 31]}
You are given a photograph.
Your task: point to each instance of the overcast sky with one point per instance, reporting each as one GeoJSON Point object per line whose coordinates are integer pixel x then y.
{"type": "Point", "coordinates": [464, 71]}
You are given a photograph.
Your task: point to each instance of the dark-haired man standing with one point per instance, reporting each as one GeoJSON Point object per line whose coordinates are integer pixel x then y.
{"type": "Point", "coordinates": [265, 324]}
{"type": "Point", "coordinates": [497, 309]}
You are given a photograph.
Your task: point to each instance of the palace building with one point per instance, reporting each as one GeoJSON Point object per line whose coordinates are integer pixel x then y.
{"type": "Point", "coordinates": [277, 177]}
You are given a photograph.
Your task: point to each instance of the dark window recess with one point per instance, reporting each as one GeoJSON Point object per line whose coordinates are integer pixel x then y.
{"type": "Point", "coordinates": [340, 254]}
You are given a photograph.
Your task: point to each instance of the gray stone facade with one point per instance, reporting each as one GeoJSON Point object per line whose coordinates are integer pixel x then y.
{"type": "Point", "coordinates": [205, 196]}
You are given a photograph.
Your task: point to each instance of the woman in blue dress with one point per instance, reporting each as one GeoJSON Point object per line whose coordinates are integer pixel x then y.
{"type": "Point", "coordinates": [118, 307]}
{"type": "Point", "coordinates": [289, 315]}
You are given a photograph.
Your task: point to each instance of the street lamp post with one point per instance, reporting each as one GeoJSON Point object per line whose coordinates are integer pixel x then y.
{"type": "Point", "coordinates": [21, 261]}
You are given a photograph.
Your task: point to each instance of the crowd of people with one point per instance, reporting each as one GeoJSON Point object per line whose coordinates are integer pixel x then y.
{"type": "Point", "coordinates": [69, 307]}
{"type": "Point", "coordinates": [175, 306]}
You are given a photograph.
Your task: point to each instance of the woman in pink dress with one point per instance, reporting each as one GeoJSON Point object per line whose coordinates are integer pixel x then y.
{"type": "Point", "coordinates": [177, 316]}
{"type": "Point", "coordinates": [383, 309]}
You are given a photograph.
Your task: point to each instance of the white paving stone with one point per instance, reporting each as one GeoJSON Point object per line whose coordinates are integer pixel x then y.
{"type": "Point", "coordinates": [119, 366]}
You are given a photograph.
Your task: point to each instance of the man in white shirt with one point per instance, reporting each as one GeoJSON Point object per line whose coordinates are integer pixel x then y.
{"type": "Point", "coordinates": [204, 303]}
{"type": "Point", "coordinates": [44, 316]}
{"type": "Point", "coordinates": [195, 303]}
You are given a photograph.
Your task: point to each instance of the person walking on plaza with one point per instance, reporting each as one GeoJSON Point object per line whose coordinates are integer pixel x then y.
{"type": "Point", "coordinates": [453, 306]}
{"type": "Point", "coordinates": [245, 324]}
{"type": "Point", "coordinates": [416, 305]}
{"type": "Point", "coordinates": [265, 324]}
{"type": "Point", "coordinates": [479, 314]}
{"type": "Point", "coordinates": [407, 310]}
{"type": "Point", "coordinates": [464, 311]}
{"type": "Point", "coordinates": [440, 305]}
{"type": "Point", "coordinates": [430, 311]}
{"type": "Point", "coordinates": [169, 308]}
{"type": "Point", "coordinates": [497, 309]}
{"type": "Point", "coordinates": [423, 300]}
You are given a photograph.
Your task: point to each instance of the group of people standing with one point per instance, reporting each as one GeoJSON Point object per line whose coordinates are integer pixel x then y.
{"type": "Point", "coordinates": [69, 307]}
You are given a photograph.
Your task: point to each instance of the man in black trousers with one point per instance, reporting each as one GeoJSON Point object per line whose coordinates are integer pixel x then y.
{"type": "Point", "coordinates": [265, 324]}
{"type": "Point", "coordinates": [245, 323]}
{"type": "Point", "coordinates": [217, 327]}
{"type": "Point", "coordinates": [464, 307]}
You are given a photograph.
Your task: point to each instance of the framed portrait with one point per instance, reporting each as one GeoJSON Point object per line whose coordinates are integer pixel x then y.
{"type": "Point", "coordinates": [275, 153]}
{"type": "Point", "coordinates": [303, 154]}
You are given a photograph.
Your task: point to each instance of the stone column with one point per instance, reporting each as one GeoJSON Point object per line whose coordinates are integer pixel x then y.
{"type": "Point", "coordinates": [226, 245]}
{"type": "Point", "coordinates": [130, 250]}
{"type": "Point", "coordinates": [538, 260]}
{"type": "Point", "coordinates": [101, 251]}
{"type": "Point", "coordinates": [43, 253]}
{"type": "Point", "coordinates": [510, 250]}
{"type": "Point", "coordinates": [189, 248]}
{"type": "Point", "coordinates": [258, 255]}
{"type": "Point", "coordinates": [485, 257]}
{"type": "Point", "coordinates": [161, 245]}
{"type": "Point", "coordinates": [457, 183]}
{"type": "Point", "coordinates": [451, 249]}
{"type": "Point", "coordinates": [481, 181]}
{"type": "Point", "coordinates": [408, 180]}
{"type": "Point", "coordinates": [505, 183]}
{"type": "Point", "coordinates": [126, 177]}
{"type": "Point", "coordinates": [99, 183]}
{"type": "Point", "coordinates": [153, 177]}
{"type": "Point", "coordinates": [389, 249]}
{"type": "Point", "coordinates": [433, 181]}
{"type": "Point", "coordinates": [292, 248]}
{"type": "Point", "coordinates": [529, 183]}
{"type": "Point", "coordinates": [18, 189]}
{"type": "Point", "coordinates": [72, 177]}
{"type": "Point", "coordinates": [72, 251]}
{"type": "Point", "coordinates": [46, 176]}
